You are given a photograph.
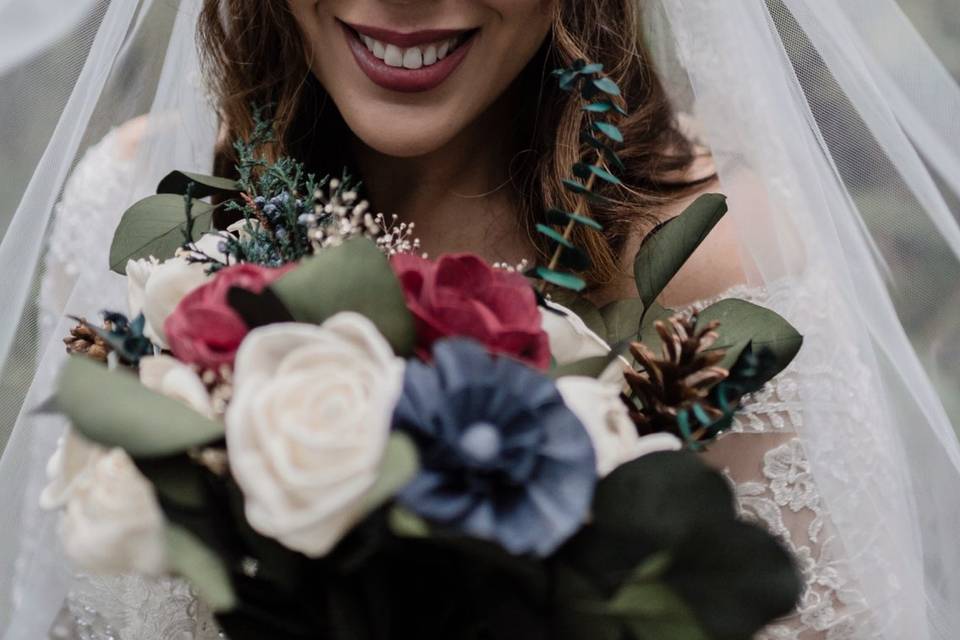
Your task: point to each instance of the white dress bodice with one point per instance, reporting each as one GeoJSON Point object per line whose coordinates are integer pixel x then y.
{"type": "Point", "coordinates": [764, 456]}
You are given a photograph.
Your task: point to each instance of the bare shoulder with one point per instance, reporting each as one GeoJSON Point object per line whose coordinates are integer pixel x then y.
{"type": "Point", "coordinates": [714, 267]}
{"type": "Point", "coordinates": [130, 135]}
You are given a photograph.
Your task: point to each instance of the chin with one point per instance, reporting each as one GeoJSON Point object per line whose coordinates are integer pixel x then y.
{"type": "Point", "coordinates": [395, 134]}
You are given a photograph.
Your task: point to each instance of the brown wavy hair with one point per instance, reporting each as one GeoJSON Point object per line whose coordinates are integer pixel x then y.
{"type": "Point", "coordinates": [257, 56]}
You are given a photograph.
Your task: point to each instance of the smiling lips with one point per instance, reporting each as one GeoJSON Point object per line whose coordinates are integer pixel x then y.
{"type": "Point", "coordinates": [408, 62]}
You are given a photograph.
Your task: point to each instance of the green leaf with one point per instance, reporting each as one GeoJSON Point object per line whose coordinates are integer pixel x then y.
{"type": "Point", "coordinates": [607, 151]}
{"type": "Point", "coordinates": [607, 85]}
{"type": "Point", "coordinates": [609, 130]}
{"type": "Point", "coordinates": [622, 319]}
{"type": "Point", "coordinates": [177, 182]}
{"type": "Point", "coordinates": [654, 610]}
{"type": "Point", "coordinates": [594, 67]}
{"type": "Point", "coordinates": [406, 524]}
{"type": "Point", "coordinates": [679, 493]}
{"type": "Point", "coordinates": [115, 410]}
{"type": "Point", "coordinates": [648, 331]}
{"type": "Point", "coordinates": [575, 186]}
{"type": "Point", "coordinates": [192, 559]}
{"type": "Point", "coordinates": [400, 464]}
{"type": "Point", "coordinates": [155, 226]}
{"type": "Point", "coordinates": [575, 259]}
{"type": "Point", "coordinates": [565, 280]}
{"type": "Point", "coordinates": [743, 323]}
{"type": "Point", "coordinates": [586, 310]}
{"type": "Point", "coordinates": [735, 576]}
{"type": "Point", "coordinates": [662, 254]}
{"type": "Point", "coordinates": [258, 309]}
{"type": "Point", "coordinates": [603, 174]}
{"type": "Point", "coordinates": [554, 235]}
{"type": "Point", "coordinates": [597, 107]}
{"type": "Point", "coordinates": [178, 481]}
{"type": "Point", "coordinates": [355, 276]}
{"type": "Point", "coordinates": [588, 367]}
{"type": "Point", "coordinates": [560, 217]}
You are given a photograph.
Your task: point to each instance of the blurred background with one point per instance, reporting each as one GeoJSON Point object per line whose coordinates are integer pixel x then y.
{"type": "Point", "coordinates": [937, 336]}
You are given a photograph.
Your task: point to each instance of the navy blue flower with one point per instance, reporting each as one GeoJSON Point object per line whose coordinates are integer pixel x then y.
{"type": "Point", "coordinates": [502, 458]}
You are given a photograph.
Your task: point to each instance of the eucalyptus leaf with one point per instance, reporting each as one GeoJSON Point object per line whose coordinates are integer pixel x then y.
{"type": "Point", "coordinates": [555, 235]}
{"type": "Point", "coordinates": [622, 319]}
{"type": "Point", "coordinates": [575, 259]}
{"type": "Point", "coordinates": [662, 255]}
{"type": "Point", "coordinates": [736, 577]}
{"type": "Point", "coordinates": [597, 107]}
{"type": "Point", "coordinates": [608, 152]}
{"type": "Point", "coordinates": [561, 217]}
{"type": "Point", "coordinates": [603, 174]}
{"type": "Point", "coordinates": [400, 464]}
{"type": "Point", "coordinates": [258, 309]}
{"type": "Point", "coordinates": [607, 85]}
{"type": "Point", "coordinates": [680, 493]}
{"type": "Point", "coordinates": [192, 559]}
{"type": "Point", "coordinates": [648, 331]}
{"type": "Point", "coordinates": [565, 280]}
{"type": "Point", "coordinates": [156, 226]}
{"type": "Point", "coordinates": [178, 481]}
{"type": "Point", "coordinates": [354, 276]}
{"type": "Point", "coordinates": [575, 186]}
{"type": "Point", "coordinates": [177, 183]}
{"type": "Point", "coordinates": [654, 610]}
{"type": "Point", "coordinates": [609, 130]}
{"type": "Point", "coordinates": [743, 323]}
{"type": "Point", "coordinates": [113, 409]}
{"type": "Point", "coordinates": [594, 67]}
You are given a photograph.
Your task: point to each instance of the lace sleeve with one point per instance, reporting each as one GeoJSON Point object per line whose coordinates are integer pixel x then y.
{"type": "Point", "coordinates": [123, 607]}
{"type": "Point", "coordinates": [764, 458]}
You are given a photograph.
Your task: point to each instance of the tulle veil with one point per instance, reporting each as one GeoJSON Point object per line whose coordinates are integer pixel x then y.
{"type": "Point", "coordinates": [836, 134]}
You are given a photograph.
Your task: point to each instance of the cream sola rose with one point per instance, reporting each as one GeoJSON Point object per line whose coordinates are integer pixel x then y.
{"type": "Point", "coordinates": [572, 340]}
{"type": "Point", "coordinates": [308, 426]}
{"type": "Point", "coordinates": [615, 440]}
{"type": "Point", "coordinates": [155, 288]}
{"type": "Point", "coordinates": [112, 522]}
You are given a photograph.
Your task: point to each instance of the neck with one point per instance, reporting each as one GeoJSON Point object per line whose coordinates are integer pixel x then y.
{"type": "Point", "coordinates": [459, 196]}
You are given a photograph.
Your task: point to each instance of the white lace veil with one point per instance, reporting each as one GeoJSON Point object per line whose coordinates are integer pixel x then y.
{"type": "Point", "coordinates": [835, 131]}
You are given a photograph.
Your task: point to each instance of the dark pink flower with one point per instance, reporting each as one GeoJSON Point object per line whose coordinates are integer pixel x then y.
{"type": "Point", "coordinates": [461, 295]}
{"type": "Point", "coordinates": [204, 329]}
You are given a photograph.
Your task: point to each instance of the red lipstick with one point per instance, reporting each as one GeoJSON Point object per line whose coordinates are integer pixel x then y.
{"type": "Point", "coordinates": [401, 79]}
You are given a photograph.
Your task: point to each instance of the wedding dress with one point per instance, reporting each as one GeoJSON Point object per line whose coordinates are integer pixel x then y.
{"type": "Point", "coordinates": [763, 456]}
{"type": "Point", "coordinates": [834, 132]}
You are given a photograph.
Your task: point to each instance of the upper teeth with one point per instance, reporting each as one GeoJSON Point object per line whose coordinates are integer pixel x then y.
{"type": "Point", "coordinates": [411, 57]}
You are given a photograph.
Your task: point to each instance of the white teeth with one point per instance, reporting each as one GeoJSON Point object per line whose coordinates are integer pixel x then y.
{"type": "Point", "coordinates": [393, 57]}
{"type": "Point", "coordinates": [411, 57]}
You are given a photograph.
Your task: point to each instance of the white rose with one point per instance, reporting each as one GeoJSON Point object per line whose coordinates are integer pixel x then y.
{"type": "Point", "coordinates": [572, 340]}
{"type": "Point", "coordinates": [176, 380]}
{"type": "Point", "coordinates": [308, 425]}
{"type": "Point", "coordinates": [598, 406]}
{"type": "Point", "coordinates": [74, 456]}
{"type": "Point", "coordinates": [138, 273]}
{"type": "Point", "coordinates": [112, 522]}
{"type": "Point", "coordinates": [155, 288]}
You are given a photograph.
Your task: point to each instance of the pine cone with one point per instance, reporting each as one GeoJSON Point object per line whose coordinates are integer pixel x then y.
{"type": "Point", "coordinates": [679, 380]}
{"type": "Point", "coordinates": [83, 340]}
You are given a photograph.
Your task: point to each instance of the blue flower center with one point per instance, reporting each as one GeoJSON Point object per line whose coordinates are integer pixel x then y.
{"type": "Point", "coordinates": [481, 441]}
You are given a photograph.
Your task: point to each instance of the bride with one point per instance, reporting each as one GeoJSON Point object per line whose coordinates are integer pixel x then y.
{"type": "Point", "coordinates": [796, 110]}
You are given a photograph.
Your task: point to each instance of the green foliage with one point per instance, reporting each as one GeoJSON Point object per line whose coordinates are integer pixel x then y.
{"type": "Point", "coordinates": [124, 336]}
{"type": "Point", "coordinates": [400, 464]}
{"type": "Point", "coordinates": [115, 410]}
{"type": "Point", "coordinates": [193, 560]}
{"type": "Point", "coordinates": [157, 226]}
{"type": "Point", "coordinates": [671, 245]}
{"type": "Point", "coordinates": [586, 80]}
{"type": "Point", "coordinates": [197, 185]}
{"type": "Point", "coordinates": [352, 277]}
{"type": "Point", "coordinates": [672, 560]}
{"type": "Point", "coordinates": [745, 324]}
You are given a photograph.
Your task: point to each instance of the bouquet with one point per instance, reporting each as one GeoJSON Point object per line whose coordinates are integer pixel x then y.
{"type": "Point", "coordinates": [331, 436]}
